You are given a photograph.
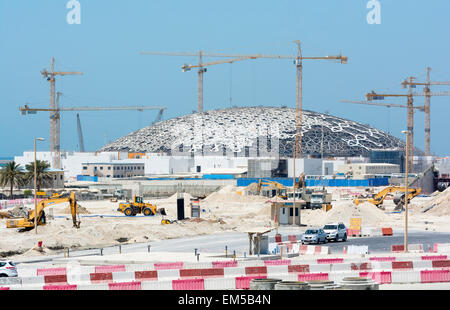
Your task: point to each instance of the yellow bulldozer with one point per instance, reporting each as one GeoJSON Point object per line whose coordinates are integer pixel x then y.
{"type": "Point", "coordinates": [139, 206]}
{"type": "Point", "coordinates": [399, 198]}
{"type": "Point", "coordinates": [28, 222]}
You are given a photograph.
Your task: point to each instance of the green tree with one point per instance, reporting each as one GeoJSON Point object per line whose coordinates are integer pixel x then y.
{"type": "Point", "coordinates": [12, 174]}
{"type": "Point", "coordinates": [43, 176]}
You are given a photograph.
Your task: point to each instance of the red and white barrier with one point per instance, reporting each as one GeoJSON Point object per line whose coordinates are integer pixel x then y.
{"type": "Point", "coordinates": [441, 248]}
{"type": "Point", "coordinates": [412, 248]}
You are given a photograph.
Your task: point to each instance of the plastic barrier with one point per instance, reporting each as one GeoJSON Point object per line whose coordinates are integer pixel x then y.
{"type": "Point", "coordinates": [277, 262]}
{"type": "Point", "coordinates": [330, 260]}
{"type": "Point", "coordinates": [382, 277]}
{"type": "Point", "coordinates": [435, 257]}
{"type": "Point", "coordinates": [101, 277]}
{"type": "Point", "coordinates": [51, 271]}
{"type": "Point", "coordinates": [432, 276]}
{"type": "Point", "coordinates": [441, 263]}
{"type": "Point", "coordinates": [361, 266]}
{"type": "Point", "coordinates": [402, 265]}
{"type": "Point", "coordinates": [67, 287]}
{"type": "Point", "coordinates": [162, 266]}
{"type": "Point", "coordinates": [4, 288]}
{"type": "Point", "coordinates": [412, 248]}
{"type": "Point", "coordinates": [224, 264]}
{"type": "Point", "coordinates": [202, 273]}
{"type": "Point", "coordinates": [312, 276]}
{"type": "Point", "coordinates": [59, 279]}
{"type": "Point", "coordinates": [355, 249]}
{"type": "Point", "coordinates": [292, 238]}
{"type": "Point", "coordinates": [244, 282]}
{"type": "Point", "coordinates": [112, 268]}
{"type": "Point", "coordinates": [147, 275]}
{"type": "Point", "coordinates": [383, 259]}
{"type": "Point", "coordinates": [386, 231]}
{"type": "Point", "coordinates": [441, 248]}
{"type": "Point", "coordinates": [259, 270]}
{"type": "Point", "coordinates": [124, 286]}
{"type": "Point", "coordinates": [188, 284]}
{"type": "Point", "coordinates": [298, 268]}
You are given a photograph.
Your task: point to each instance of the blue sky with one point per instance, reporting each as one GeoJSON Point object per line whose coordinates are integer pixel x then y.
{"type": "Point", "coordinates": [412, 35]}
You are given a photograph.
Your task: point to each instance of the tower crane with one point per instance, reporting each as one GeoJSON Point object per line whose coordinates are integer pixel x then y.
{"type": "Point", "coordinates": [410, 110]}
{"type": "Point", "coordinates": [55, 112]}
{"type": "Point", "coordinates": [298, 61]}
{"type": "Point", "coordinates": [54, 117]}
{"type": "Point", "coordinates": [201, 70]}
{"type": "Point", "coordinates": [426, 85]}
{"type": "Point", "coordinates": [80, 134]}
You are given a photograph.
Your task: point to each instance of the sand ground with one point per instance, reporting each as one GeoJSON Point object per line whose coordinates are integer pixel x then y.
{"type": "Point", "coordinates": [222, 211]}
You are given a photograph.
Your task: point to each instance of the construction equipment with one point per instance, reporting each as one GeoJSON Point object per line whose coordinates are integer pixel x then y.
{"type": "Point", "coordinates": [399, 198]}
{"type": "Point", "coordinates": [377, 199]}
{"type": "Point", "coordinates": [301, 181]}
{"type": "Point", "coordinates": [277, 189]}
{"type": "Point", "coordinates": [80, 134]}
{"type": "Point", "coordinates": [427, 108]}
{"type": "Point", "coordinates": [410, 110]}
{"type": "Point", "coordinates": [54, 117]}
{"type": "Point", "coordinates": [139, 206]}
{"type": "Point", "coordinates": [28, 223]}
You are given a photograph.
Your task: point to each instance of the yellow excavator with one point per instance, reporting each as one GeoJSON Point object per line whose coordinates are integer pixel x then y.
{"type": "Point", "coordinates": [139, 206]}
{"type": "Point", "coordinates": [377, 199]}
{"type": "Point", "coordinates": [28, 223]}
{"type": "Point", "coordinates": [279, 188]}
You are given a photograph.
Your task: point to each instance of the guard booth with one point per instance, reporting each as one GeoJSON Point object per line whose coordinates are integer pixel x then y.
{"type": "Point", "coordinates": [258, 241]}
{"type": "Point", "coordinates": [195, 207]}
{"type": "Point", "coordinates": [282, 212]}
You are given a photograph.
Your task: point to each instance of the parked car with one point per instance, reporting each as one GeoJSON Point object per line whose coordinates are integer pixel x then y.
{"type": "Point", "coordinates": [7, 269]}
{"type": "Point", "coordinates": [314, 236]}
{"type": "Point", "coordinates": [336, 231]}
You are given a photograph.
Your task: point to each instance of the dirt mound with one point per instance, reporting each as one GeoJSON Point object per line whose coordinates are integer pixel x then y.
{"type": "Point", "coordinates": [81, 210]}
{"type": "Point", "coordinates": [343, 211]}
{"type": "Point", "coordinates": [440, 205]}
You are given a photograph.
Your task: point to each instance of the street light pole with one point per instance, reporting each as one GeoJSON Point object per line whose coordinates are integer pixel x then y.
{"type": "Point", "coordinates": [407, 132]}
{"type": "Point", "coordinates": [35, 178]}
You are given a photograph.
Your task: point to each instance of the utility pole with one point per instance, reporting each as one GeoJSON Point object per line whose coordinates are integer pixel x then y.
{"type": "Point", "coordinates": [54, 117]}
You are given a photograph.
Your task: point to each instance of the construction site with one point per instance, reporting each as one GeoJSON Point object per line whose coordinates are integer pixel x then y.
{"type": "Point", "coordinates": [270, 196]}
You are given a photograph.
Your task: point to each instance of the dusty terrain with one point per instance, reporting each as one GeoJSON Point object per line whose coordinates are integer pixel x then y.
{"type": "Point", "coordinates": [225, 210]}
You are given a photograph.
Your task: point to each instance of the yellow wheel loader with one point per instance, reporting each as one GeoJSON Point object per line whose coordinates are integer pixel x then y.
{"type": "Point", "coordinates": [139, 206]}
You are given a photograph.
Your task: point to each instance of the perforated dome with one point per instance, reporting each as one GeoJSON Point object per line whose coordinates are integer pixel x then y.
{"type": "Point", "coordinates": [255, 131]}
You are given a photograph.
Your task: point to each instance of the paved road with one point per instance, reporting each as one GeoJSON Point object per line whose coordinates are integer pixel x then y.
{"type": "Point", "coordinates": [239, 242]}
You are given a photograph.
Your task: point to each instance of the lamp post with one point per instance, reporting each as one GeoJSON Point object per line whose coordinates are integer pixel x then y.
{"type": "Point", "coordinates": [35, 173]}
{"type": "Point", "coordinates": [405, 246]}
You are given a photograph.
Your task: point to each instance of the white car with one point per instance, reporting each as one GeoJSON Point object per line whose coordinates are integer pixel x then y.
{"type": "Point", "coordinates": [336, 231]}
{"type": "Point", "coordinates": [7, 269]}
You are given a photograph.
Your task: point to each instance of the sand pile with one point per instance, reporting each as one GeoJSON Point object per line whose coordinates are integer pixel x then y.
{"type": "Point", "coordinates": [440, 204]}
{"type": "Point", "coordinates": [229, 194]}
{"type": "Point", "coordinates": [343, 212]}
{"type": "Point", "coordinates": [80, 210]}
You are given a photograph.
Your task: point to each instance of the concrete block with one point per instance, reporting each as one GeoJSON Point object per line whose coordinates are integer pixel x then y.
{"type": "Point", "coordinates": [123, 276]}
{"type": "Point", "coordinates": [234, 271]}
{"type": "Point", "coordinates": [315, 268]}
{"type": "Point", "coordinates": [276, 270]}
{"type": "Point", "coordinates": [36, 280]}
{"type": "Point", "coordinates": [94, 287]}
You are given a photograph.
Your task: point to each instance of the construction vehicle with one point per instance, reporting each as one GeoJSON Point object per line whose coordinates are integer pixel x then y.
{"type": "Point", "coordinates": [276, 188]}
{"type": "Point", "coordinates": [377, 199]}
{"type": "Point", "coordinates": [139, 206]}
{"type": "Point", "coordinates": [320, 199]}
{"type": "Point", "coordinates": [28, 223]}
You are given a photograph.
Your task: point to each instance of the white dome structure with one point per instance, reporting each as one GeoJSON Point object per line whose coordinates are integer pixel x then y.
{"type": "Point", "coordinates": [255, 132]}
